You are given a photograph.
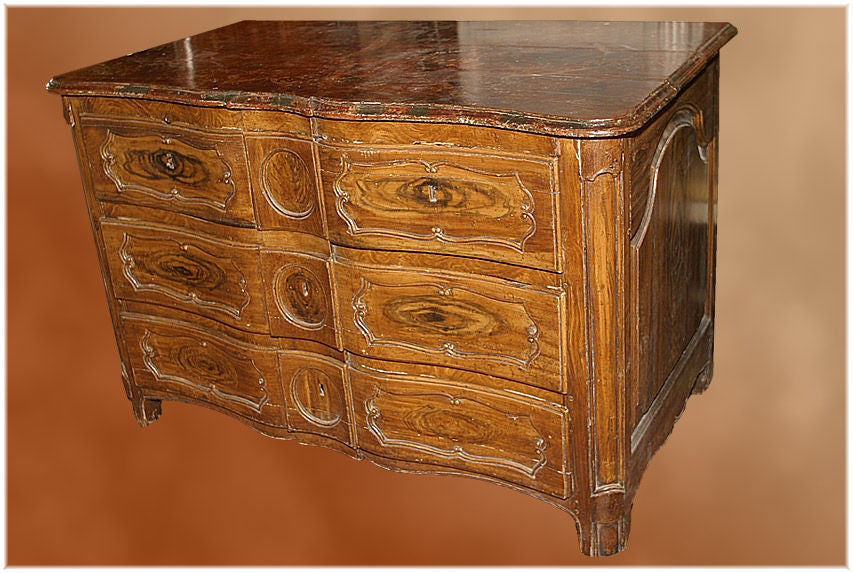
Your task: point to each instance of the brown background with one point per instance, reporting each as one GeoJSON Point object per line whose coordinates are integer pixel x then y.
{"type": "Point", "coordinates": [754, 473]}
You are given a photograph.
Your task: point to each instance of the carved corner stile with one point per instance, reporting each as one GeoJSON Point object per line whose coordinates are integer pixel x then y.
{"type": "Point", "coordinates": [601, 173]}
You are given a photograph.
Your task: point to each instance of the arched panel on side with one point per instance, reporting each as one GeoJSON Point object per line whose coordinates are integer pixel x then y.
{"type": "Point", "coordinates": [669, 261]}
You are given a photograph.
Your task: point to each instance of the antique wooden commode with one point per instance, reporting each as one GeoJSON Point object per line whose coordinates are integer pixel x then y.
{"type": "Point", "coordinates": [481, 248]}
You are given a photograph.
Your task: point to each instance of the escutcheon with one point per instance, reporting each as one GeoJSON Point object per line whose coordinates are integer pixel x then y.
{"type": "Point", "coordinates": [316, 397]}
{"type": "Point", "coordinates": [300, 297]}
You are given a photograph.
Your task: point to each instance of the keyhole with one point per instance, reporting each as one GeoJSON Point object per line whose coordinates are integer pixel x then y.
{"type": "Point", "coordinates": [433, 197]}
{"type": "Point", "coordinates": [322, 390]}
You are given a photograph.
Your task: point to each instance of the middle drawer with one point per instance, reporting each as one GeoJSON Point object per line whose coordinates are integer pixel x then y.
{"type": "Point", "coordinates": [486, 317]}
{"type": "Point", "coordinates": [440, 314]}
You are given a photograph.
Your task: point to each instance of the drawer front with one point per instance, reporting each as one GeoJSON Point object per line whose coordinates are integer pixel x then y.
{"type": "Point", "coordinates": [486, 432]}
{"type": "Point", "coordinates": [452, 319]}
{"type": "Point", "coordinates": [299, 296]}
{"type": "Point", "coordinates": [478, 205]}
{"type": "Point", "coordinates": [284, 182]}
{"type": "Point", "coordinates": [314, 394]}
{"type": "Point", "coordinates": [192, 171]}
{"type": "Point", "coordinates": [184, 270]}
{"type": "Point", "coordinates": [202, 364]}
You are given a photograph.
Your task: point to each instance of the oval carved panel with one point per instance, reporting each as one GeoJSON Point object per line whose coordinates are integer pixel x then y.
{"type": "Point", "coordinates": [287, 185]}
{"type": "Point", "coordinates": [300, 296]}
{"type": "Point", "coordinates": [316, 397]}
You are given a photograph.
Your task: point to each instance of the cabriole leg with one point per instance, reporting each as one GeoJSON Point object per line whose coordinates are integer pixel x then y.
{"type": "Point", "coordinates": [146, 410]}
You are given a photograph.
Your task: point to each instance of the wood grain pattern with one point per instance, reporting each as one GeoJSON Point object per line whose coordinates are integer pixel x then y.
{"type": "Point", "coordinates": [200, 173]}
{"type": "Point", "coordinates": [466, 321]}
{"type": "Point", "coordinates": [182, 269]}
{"type": "Point", "coordinates": [491, 252]}
{"type": "Point", "coordinates": [573, 79]}
{"type": "Point", "coordinates": [284, 184]}
{"type": "Point", "coordinates": [494, 207]}
{"type": "Point", "coordinates": [299, 297]}
{"type": "Point", "coordinates": [447, 425]}
{"type": "Point", "coordinates": [601, 171]}
{"type": "Point", "coordinates": [313, 387]}
{"type": "Point", "coordinates": [95, 110]}
{"type": "Point", "coordinates": [430, 137]}
{"type": "Point", "coordinates": [181, 358]}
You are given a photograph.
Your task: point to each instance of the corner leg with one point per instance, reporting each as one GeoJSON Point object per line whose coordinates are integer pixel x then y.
{"type": "Point", "coordinates": [703, 380]}
{"type": "Point", "coordinates": [146, 410]}
{"type": "Point", "coordinates": [605, 532]}
{"type": "Point", "coordinates": [604, 539]}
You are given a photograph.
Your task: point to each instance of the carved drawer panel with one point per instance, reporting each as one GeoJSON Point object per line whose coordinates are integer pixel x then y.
{"type": "Point", "coordinates": [478, 205]}
{"type": "Point", "coordinates": [285, 184]}
{"type": "Point", "coordinates": [183, 169]}
{"type": "Point", "coordinates": [299, 296]}
{"type": "Point", "coordinates": [210, 366]}
{"type": "Point", "coordinates": [186, 270]}
{"type": "Point", "coordinates": [455, 319]}
{"type": "Point", "coordinates": [313, 390]}
{"type": "Point", "coordinates": [507, 436]}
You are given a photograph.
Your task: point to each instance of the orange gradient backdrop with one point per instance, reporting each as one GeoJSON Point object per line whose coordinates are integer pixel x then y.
{"type": "Point", "coordinates": [752, 475]}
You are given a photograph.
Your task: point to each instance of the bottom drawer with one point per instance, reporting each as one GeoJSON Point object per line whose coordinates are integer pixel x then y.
{"type": "Point", "coordinates": [450, 424]}
{"type": "Point", "coordinates": [180, 359]}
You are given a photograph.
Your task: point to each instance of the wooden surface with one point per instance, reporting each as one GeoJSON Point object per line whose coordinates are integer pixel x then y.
{"type": "Point", "coordinates": [566, 78]}
{"type": "Point", "coordinates": [146, 493]}
{"type": "Point", "coordinates": [419, 299]}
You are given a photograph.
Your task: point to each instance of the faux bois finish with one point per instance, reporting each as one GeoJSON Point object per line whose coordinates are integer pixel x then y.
{"type": "Point", "coordinates": [564, 78]}
{"type": "Point", "coordinates": [319, 229]}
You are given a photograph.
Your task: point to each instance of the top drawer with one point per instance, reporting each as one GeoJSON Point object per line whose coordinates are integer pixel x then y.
{"type": "Point", "coordinates": [466, 191]}
{"type": "Point", "coordinates": [249, 169]}
{"type": "Point", "coordinates": [178, 168]}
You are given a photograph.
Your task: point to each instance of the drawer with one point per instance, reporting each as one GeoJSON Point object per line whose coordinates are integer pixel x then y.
{"type": "Point", "coordinates": [231, 370]}
{"type": "Point", "coordinates": [179, 168]}
{"type": "Point", "coordinates": [483, 205]}
{"type": "Point", "coordinates": [284, 182]}
{"type": "Point", "coordinates": [158, 264]}
{"type": "Point", "coordinates": [299, 296]}
{"type": "Point", "coordinates": [451, 318]}
{"type": "Point", "coordinates": [314, 394]}
{"type": "Point", "coordinates": [508, 436]}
